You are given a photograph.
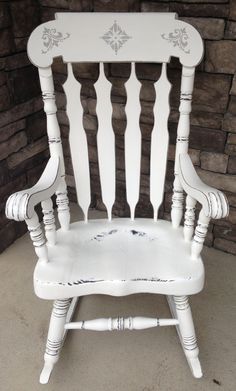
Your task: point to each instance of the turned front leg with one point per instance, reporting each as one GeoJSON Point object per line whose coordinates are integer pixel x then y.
{"type": "Point", "coordinates": [55, 337]}
{"type": "Point", "coordinates": [187, 333]}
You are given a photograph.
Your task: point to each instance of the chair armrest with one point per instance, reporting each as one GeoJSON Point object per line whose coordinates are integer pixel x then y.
{"type": "Point", "coordinates": [20, 205]}
{"type": "Point", "coordinates": [213, 201]}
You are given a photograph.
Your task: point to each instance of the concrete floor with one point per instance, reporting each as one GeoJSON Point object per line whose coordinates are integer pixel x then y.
{"type": "Point", "coordinates": [149, 360]}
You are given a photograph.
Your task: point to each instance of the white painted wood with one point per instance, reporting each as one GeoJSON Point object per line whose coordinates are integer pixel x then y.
{"type": "Point", "coordinates": [187, 334]}
{"type": "Point", "coordinates": [49, 221]}
{"type": "Point", "coordinates": [118, 267]}
{"type": "Point", "coordinates": [62, 313]}
{"type": "Point", "coordinates": [116, 36]}
{"type": "Point", "coordinates": [78, 141]}
{"type": "Point", "coordinates": [159, 141]}
{"type": "Point", "coordinates": [20, 206]}
{"type": "Point", "coordinates": [121, 323]}
{"type": "Point", "coordinates": [38, 238]}
{"type": "Point", "coordinates": [105, 141]}
{"type": "Point", "coordinates": [187, 324]}
{"type": "Point", "coordinates": [183, 129]}
{"type": "Point", "coordinates": [55, 337]}
{"type": "Point", "coordinates": [132, 141]}
{"type": "Point", "coordinates": [117, 257]}
{"type": "Point", "coordinates": [62, 202]}
{"type": "Point", "coordinates": [54, 140]}
{"type": "Point", "coordinates": [213, 201]}
{"type": "Point", "coordinates": [200, 234]}
{"type": "Point", "coordinates": [189, 218]}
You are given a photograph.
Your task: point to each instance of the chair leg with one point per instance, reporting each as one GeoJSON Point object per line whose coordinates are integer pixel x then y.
{"type": "Point", "coordinates": [181, 310]}
{"type": "Point", "coordinates": [62, 312]}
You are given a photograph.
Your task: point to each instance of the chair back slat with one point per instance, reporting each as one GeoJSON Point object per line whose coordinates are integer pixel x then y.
{"type": "Point", "coordinates": [78, 141]}
{"type": "Point", "coordinates": [105, 141]}
{"type": "Point", "coordinates": [159, 141]}
{"type": "Point", "coordinates": [132, 141]}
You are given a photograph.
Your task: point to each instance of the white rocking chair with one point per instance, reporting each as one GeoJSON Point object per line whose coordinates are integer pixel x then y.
{"type": "Point", "coordinates": [118, 256]}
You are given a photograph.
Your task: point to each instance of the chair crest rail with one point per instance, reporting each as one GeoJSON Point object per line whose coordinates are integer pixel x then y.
{"type": "Point", "coordinates": [161, 36]}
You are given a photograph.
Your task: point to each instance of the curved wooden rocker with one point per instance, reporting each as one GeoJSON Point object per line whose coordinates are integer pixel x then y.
{"type": "Point", "coordinates": [117, 256]}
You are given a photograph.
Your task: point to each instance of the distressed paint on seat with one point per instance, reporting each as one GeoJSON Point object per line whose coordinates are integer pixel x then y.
{"type": "Point", "coordinates": [129, 259]}
{"type": "Point", "coordinates": [117, 256]}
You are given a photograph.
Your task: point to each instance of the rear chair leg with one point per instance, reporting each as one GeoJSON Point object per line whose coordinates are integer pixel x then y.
{"type": "Point", "coordinates": [62, 312]}
{"type": "Point", "coordinates": [181, 310]}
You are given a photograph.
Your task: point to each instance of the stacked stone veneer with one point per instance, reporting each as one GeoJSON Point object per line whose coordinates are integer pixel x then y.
{"type": "Point", "coordinates": [213, 131]}
{"type": "Point", "coordinates": [23, 144]}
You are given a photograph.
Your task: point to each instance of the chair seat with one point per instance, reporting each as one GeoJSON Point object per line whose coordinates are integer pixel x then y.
{"type": "Point", "coordinates": [118, 258]}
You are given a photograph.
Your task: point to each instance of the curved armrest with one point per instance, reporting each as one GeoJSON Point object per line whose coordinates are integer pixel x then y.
{"type": "Point", "coordinates": [213, 201]}
{"type": "Point", "coordinates": [20, 205]}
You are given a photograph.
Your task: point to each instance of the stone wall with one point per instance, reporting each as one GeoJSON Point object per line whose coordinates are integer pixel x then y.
{"type": "Point", "coordinates": [23, 144]}
{"type": "Point", "coordinates": [213, 131]}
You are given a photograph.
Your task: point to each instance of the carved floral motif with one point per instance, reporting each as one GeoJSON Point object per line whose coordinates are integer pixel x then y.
{"type": "Point", "coordinates": [51, 38]}
{"type": "Point", "coordinates": [115, 37]}
{"type": "Point", "coordinates": [178, 38]}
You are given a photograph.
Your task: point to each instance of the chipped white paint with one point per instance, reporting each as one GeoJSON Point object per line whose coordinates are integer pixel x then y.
{"type": "Point", "coordinates": [180, 309]}
{"type": "Point", "coordinates": [183, 129]}
{"type": "Point", "coordinates": [121, 323]}
{"type": "Point", "coordinates": [54, 139]}
{"type": "Point", "coordinates": [200, 234]}
{"type": "Point", "coordinates": [132, 141]}
{"type": "Point", "coordinates": [20, 206]}
{"type": "Point", "coordinates": [213, 201]}
{"type": "Point", "coordinates": [62, 313]}
{"type": "Point", "coordinates": [49, 221]}
{"type": "Point", "coordinates": [118, 267]}
{"type": "Point", "coordinates": [37, 237]}
{"type": "Point", "coordinates": [189, 218]}
{"type": "Point", "coordinates": [120, 256]}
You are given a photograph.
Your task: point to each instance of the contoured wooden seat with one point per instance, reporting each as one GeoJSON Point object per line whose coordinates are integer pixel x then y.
{"type": "Point", "coordinates": [131, 257]}
{"type": "Point", "coordinates": [117, 256]}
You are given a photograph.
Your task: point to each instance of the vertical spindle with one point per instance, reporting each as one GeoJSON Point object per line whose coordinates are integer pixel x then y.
{"type": "Point", "coordinates": [200, 234]}
{"type": "Point", "coordinates": [54, 140]}
{"type": "Point", "coordinates": [189, 218]}
{"type": "Point", "coordinates": [49, 221]}
{"type": "Point", "coordinates": [183, 129]}
{"type": "Point", "coordinates": [37, 237]}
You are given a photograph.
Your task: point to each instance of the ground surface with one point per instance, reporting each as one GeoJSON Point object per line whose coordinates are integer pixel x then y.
{"type": "Point", "coordinates": [149, 360]}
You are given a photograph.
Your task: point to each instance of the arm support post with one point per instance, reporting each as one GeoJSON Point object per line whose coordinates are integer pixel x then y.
{"type": "Point", "coordinates": [185, 107]}
{"type": "Point", "coordinates": [21, 206]}
{"type": "Point", "coordinates": [214, 203]}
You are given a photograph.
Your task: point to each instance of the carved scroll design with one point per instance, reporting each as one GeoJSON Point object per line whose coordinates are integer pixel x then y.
{"type": "Point", "coordinates": [51, 38]}
{"type": "Point", "coordinates": [178, 37]}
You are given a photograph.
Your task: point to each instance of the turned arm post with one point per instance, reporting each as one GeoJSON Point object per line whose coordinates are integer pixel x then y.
{"type": "Point", "coordinates": [183, 129]}
{"type": "Point", "coordinates": [54, 140]}
{"type": "Point", "coordinates": [49, 221]}
{"type": "Point", "coordinates": [37, 237]}
{"type": "Point", "coordinates": [199, 235]}
{"type": "Point", "coordinates": [189, 218]}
